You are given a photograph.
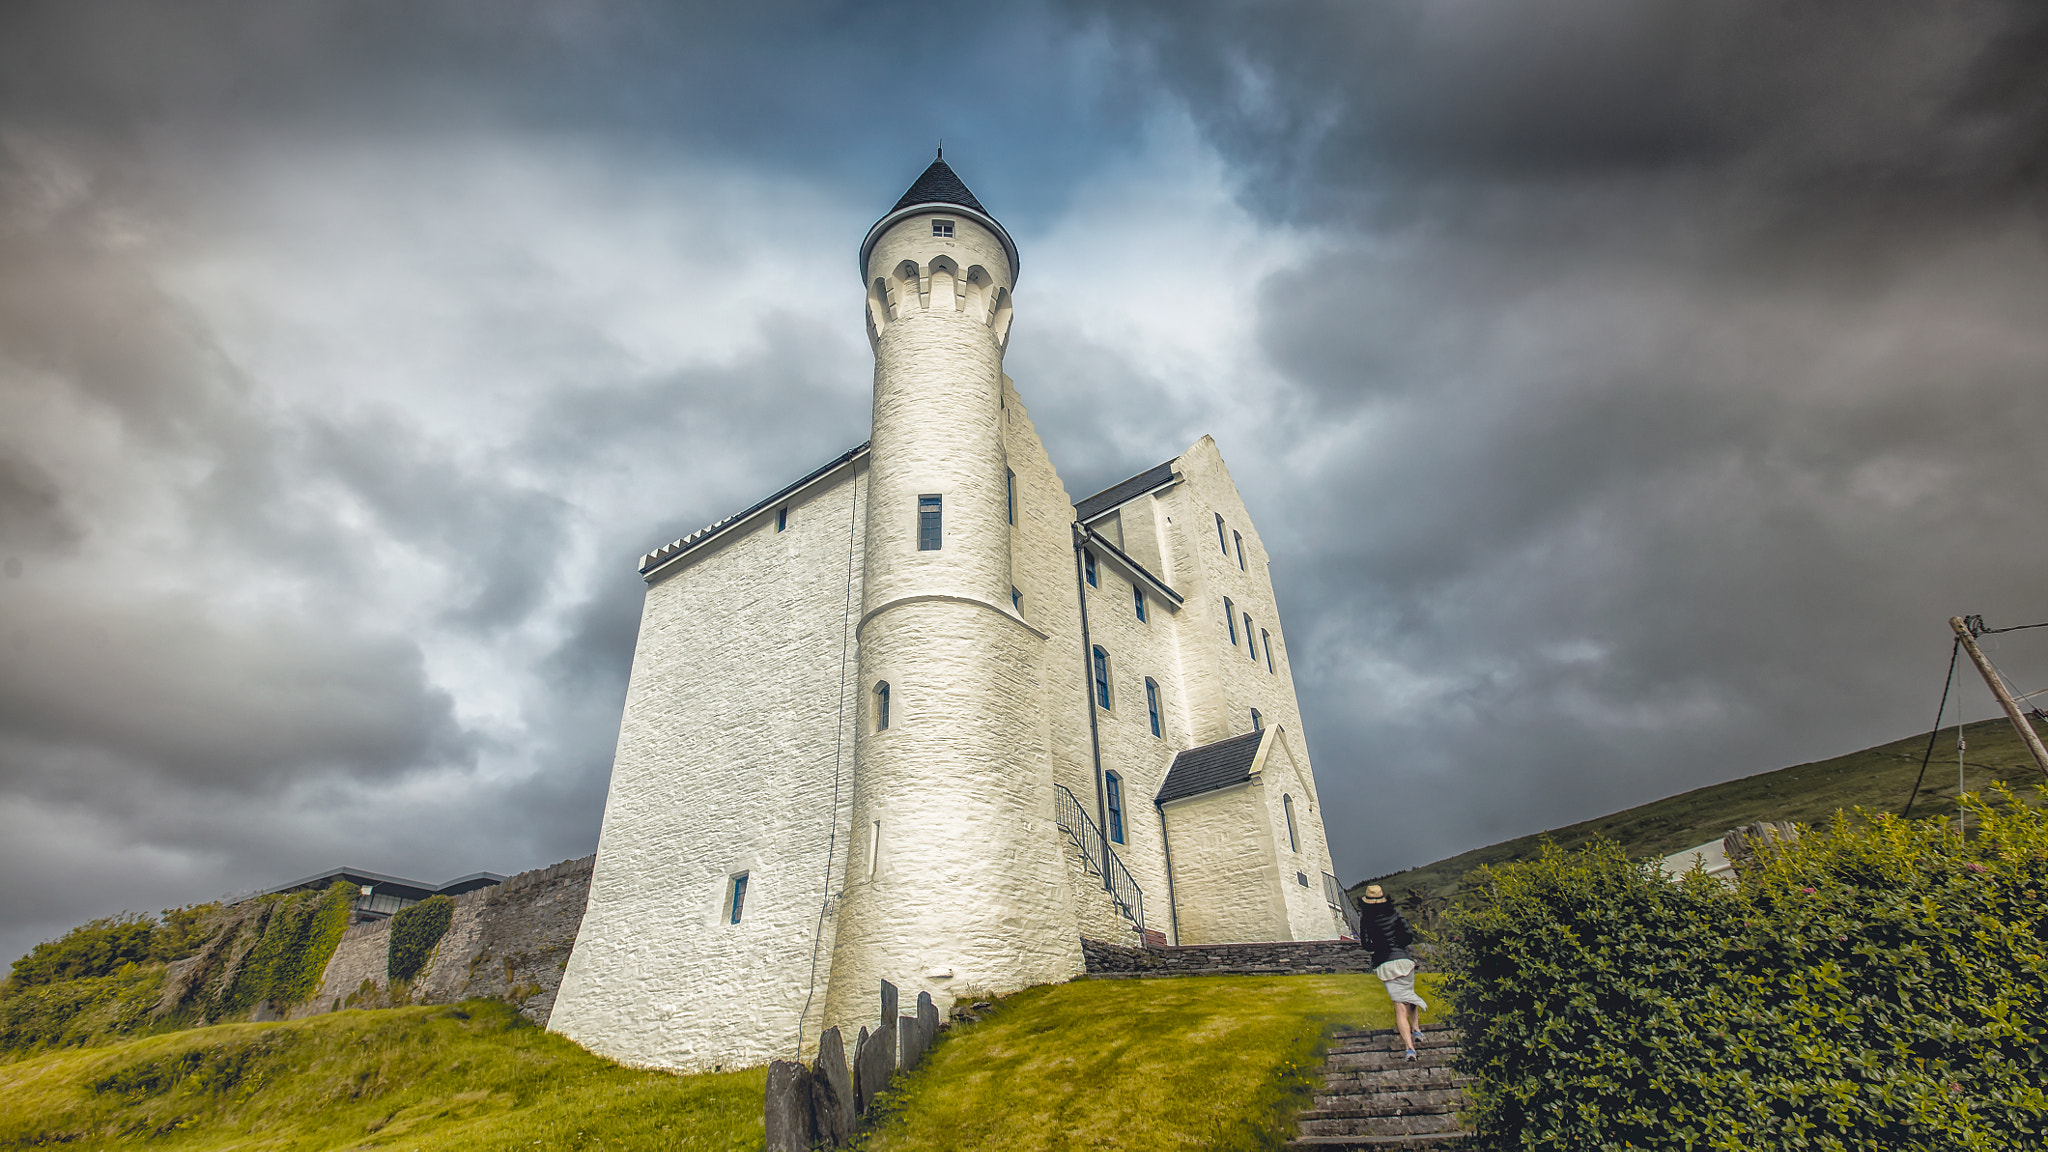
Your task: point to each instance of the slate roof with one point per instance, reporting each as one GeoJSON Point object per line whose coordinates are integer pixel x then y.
{"type": "Point", "coordinates": [1123, 493]}
{"type": "Point", "coordinates": [939, 185]}
{"type": "Point", "coordinates": [1210, 767]}
{"type": "Point", "coordinates": [390, 885]}
{"type": "Point", "coordinates": [670, 551]}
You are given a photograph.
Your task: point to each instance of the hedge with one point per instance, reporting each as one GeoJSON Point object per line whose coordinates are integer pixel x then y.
{"type": "Point", "coordinates": [414, 933]}
{"type": "Point", "coordinates": [1879, 984]}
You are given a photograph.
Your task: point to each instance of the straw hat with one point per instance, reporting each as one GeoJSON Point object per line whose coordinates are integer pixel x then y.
{"type": "Point", "coordinates": [1374, 894]}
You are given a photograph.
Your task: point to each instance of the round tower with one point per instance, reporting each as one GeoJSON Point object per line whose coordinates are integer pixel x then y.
{"type": "Point", "coordinates": [952, 865]}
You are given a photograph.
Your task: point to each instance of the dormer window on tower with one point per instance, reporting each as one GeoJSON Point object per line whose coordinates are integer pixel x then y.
{"type": "Point", "coordinates": [942, 228]}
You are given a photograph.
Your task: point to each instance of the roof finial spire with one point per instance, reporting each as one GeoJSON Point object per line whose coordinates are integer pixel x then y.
{"type": "Point", "coordinates": [942, 147]}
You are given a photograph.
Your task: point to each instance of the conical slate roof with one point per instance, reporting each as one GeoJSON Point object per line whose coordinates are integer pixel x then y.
{"type": "Point", "coordinates": [939, 185]}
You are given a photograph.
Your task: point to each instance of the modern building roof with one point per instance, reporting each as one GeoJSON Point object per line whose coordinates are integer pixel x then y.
{"type": "Point", "coordinates": [939, 187]}
{"type": "Point", "coordinates": [661, 556]}
{"type": "Point", "coordinates": [390, 885]}
{"type": "Point", "coordinates": [1211, 767]}
{"type": "Point", "coordinates": [1117, 495]}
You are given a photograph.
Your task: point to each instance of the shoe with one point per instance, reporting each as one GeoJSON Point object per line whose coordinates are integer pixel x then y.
{"type": "Point", "coordinates": [1411, 1054]}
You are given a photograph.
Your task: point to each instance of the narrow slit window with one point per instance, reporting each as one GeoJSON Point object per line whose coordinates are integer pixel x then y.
{"type": "Point", "coordinates": [1220, 541]}
{"type": "Point", "coordinates": [942, 227]}
{"type": "Point", "coordinates": [1266, 642]}
{"type": "Point", "coordinates": [1250, 646]}
{"type": "Point", "coordinates": [781, 519]}
{"type": "Point", "coordinates": [1017, 601]}
{"type": "Point", "coordinates": [1010, 495]}
{"type": "Point", "coordinates": [1152, 705]}
{"type": "Point", "coordinates": [874, 847]}
{"type": "Point", "coordinates": [1293, 840]}
{"type": "Point", "coordinates": [1101, 677]}
{"type": "Point", "coordinates": [1113, 787]}
{"type": "Point", "coordinates": [1138, 602]}
{"type": "Point", "coordinates": [1230, 618]}
{"type": "Point", "coordinates": [929, 526]}
{"type": "Point", "coordinates": [1239, 540]}
{"type": "Point", "coordinates": [881, 705]}
{"type": "Point", "coordinates": [1088, 566]}
{"type": "Point", "coordinates": [738, 900]}
{"type": "Point", "coordinates": [1258, 721]}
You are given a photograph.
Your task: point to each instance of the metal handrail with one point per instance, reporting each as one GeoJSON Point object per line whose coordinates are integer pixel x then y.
{"type": "Point", "coordinates": [1081, 831]}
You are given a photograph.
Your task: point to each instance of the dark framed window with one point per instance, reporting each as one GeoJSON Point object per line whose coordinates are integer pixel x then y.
{"type": "Point", "coordinates": [942, 227]}
{"type": "Point", "coordinates": [1088, 567]}
{"type": "Point", "coordinates": [739, 898]}
{"type": "Point", "coordinates": [1220, 541]}
{"type": "Point", "coordinates": [781, 519]}
{"type": "Point", "coordinates": [1250, 644]}
{"type": "Point", "coordinates": [1258, 721]}
{"type": "Point", "coordinates": [1113, 788]}
{"type": "Point", "coordinates": [1138, 602]}
{"type": "Point", "coordinates": [1101, 677]}
{"type": "Point", "coordinates": [1239, 541]}
{"type": "Point", "coordinates": [1266, 640]}
{"type": "Point", "coordinates": [1230, 618]}
{"type": "Point", "coordinates": [1152, 705]}
{"type": "Point", "coordinates": [1293, 840]}
{"type": "Point", "coordinates": [881, 705]}
{"type": "Point", "coordinates": [1017, 601]}
{"type": "Point", "coordinates": [1010, 495]}
{"type": "Point", "coordinates": [929, 526]}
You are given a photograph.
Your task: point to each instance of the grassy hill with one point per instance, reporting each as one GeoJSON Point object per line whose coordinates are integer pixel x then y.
{"type": "Point", "coordinates": [1217, 1063]}
{"type": "Point", "coordinates": [1877, 778]}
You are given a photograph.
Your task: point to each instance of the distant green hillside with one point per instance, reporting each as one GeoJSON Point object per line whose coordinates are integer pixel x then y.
{"type": "Point", "coordinates": [1876, 778]}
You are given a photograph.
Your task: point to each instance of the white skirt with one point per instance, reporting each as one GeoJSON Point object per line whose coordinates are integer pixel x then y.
{"type": "Point", "coordinates": [1398, 977]}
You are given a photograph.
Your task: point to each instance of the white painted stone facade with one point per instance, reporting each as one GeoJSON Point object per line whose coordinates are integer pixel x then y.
{"type": "Point", "coordinates": [929, 852]}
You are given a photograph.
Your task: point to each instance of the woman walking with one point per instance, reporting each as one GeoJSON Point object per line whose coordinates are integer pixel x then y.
{"type": "Point", "coordinates": [1383, 930]}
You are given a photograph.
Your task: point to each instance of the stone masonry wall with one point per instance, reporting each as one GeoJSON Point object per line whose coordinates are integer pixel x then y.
{"type": "Point", "coordinates": [1289, 957]}
{"type": "Point", "coordinates": [508, 942]}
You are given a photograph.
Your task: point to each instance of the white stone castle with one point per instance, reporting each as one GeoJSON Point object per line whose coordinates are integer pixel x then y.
{"type": "Point", "coordinates": [921, 717]}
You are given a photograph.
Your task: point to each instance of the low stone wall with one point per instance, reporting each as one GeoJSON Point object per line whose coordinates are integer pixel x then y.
{"type": "Point", "coordinates": [1287, 958]}
{"type": "Point", "coordinates": [508, 942]}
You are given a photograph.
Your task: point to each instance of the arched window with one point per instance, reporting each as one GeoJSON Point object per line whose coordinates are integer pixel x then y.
{"type": "Point", "coordinates": [1138, 601]}
{"type": "Point", "coordinates": [1017, 600]}
{"type": "Point", "coordinates": [1250, 645]}
{"type": "Point", "coordinates": [881, 705]}
{"type": "Point", "coordinates": [1220, 541]}
{"type": "Point", "coordinates": [1113, 787]}
{"type": "Point", "coordinates": [1258, 721]}
{"type": "Point", "coordinates": [1088, 567]}
{"type": "Point", "coordinates": [1152, 705]}
{"type": "Point", "coordinates": [1239, 540]}
{"type": "Point", "coordinates": [1230, 618]}
{"type": "Point", "coordinates": [1266, 639]}
{"type": "Point", "coordinates": [1101, 677]}
{"type": "Point", "coordinates": [1293, 841]}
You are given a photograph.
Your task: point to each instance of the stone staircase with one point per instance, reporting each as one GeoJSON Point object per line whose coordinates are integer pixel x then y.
{"type": "Point", "coordinates": [1373, 1098]}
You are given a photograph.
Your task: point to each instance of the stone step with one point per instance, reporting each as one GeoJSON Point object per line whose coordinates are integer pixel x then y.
{"type": "Point", "coordinates": [1356, 1080]}
{"type": "Point", "coordinates": [1434, 1038]}
{"type": "Point", "coordinates": [1421, 1143]}
{"type": "Point", "coordinates": [1393, 1103]}
{"type": "Point", "coordinates": [1425, 1124]}
{"type": "Point", "coordinates": [1441, 1057]}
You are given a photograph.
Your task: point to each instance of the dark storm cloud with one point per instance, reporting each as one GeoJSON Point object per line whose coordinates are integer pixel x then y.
{"type": "Point", "coordinates": [1687, 355]}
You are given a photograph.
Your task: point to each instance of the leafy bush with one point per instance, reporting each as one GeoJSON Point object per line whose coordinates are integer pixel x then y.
{"type": "Point", "coordinates": [67, 1013]}
{"type": "Point", "coordinates": [414, 933]}
{"type": "Point", "coordinates": [297, 937]}
{"type": "Point", "coordinates": [95, 949]}
{"type": "Point", "coordinates": [1878, 985]}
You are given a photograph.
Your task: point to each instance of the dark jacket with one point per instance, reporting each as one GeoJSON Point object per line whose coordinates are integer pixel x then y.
{"type": "Point", "coordinates": [1384, 931]}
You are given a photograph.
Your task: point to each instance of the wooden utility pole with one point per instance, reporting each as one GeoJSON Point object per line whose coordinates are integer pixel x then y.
{"type": "Point", "coordinates": [1997, 686]}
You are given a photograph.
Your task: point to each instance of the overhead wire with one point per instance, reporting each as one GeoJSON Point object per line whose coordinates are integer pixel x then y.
{"type": "Point", "coordinates": [838, 750]}
{"type": "Point", "coordinates": [1955, 649]}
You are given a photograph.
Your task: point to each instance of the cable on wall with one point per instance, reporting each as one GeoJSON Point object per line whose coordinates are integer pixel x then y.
{"type": "Point", "coordinates": [838, 751]}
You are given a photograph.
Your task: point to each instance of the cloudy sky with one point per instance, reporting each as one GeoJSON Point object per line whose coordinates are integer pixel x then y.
{"type": "Point", "coordinates": [1627, 391]}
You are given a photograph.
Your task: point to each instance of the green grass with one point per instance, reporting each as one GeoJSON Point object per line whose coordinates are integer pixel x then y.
{"type": "Point", "coordinates": [1877, 778]}
{"type": "Point", "coordinates": [476, 1076]}
{"type": "Point", "coordinates": [1194, 1063]}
